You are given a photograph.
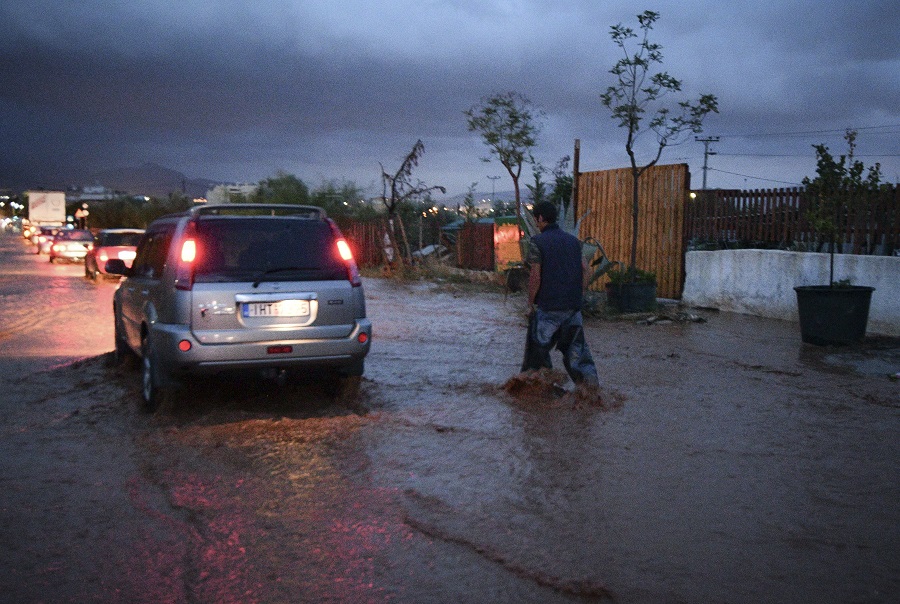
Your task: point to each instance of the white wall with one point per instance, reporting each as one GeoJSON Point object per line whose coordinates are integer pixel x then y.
{"type": "Point", "coordinates": [761, 282]}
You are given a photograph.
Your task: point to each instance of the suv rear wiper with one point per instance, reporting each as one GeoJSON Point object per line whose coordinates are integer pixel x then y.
{"type": "Point", "coordinates": [262, 276]}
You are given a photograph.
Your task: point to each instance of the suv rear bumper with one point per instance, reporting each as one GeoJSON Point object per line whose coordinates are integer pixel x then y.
{"type": "Point", "coordinates": [212, 358]}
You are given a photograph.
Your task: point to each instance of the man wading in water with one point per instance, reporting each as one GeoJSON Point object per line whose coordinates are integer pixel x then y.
{"type": "Point", "coordinates": [555, 287]}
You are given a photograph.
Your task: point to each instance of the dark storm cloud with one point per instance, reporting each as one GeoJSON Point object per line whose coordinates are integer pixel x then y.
{"type": "Point", "coordinates": [233, 90]}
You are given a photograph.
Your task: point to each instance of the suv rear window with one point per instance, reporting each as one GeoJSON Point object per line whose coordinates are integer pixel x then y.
{"type": "Point", "coordinates": [280, 248]}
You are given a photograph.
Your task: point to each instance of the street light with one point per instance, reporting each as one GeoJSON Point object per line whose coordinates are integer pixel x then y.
{"type": "Point", "coordinates": [493, 180]}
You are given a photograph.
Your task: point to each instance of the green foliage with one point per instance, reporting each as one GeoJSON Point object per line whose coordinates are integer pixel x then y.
{"type": "Point", "coordinates": [839, 184]}
{"type": "Point", "coordinates": [504, 208]}
{"type": "Point", "coordinates": [638, 94]}
{"type": "Point", "coordinates": [625, 276]}
{"type": "Point", "coordinates": [130, 212]}
{"type": "Point", "coordinates": [539, 189]}
{"type": "Point", "coordinates": [338, 199]}
{"type": "Point", "coordinates": [563, 181]}
{"type": "Point", "coordinates": [508, 125]}
{"type": "Point", "coordinates": [282, 188]}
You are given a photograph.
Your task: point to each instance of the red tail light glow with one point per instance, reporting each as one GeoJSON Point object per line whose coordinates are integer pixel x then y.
{"type": "Point", "coordinates": [344, 250]}
{"type": "Point", "coordinates": [188, 250]}
{"type": "Point", "coordinates": [184, 273]}
{"type": "Point", "coordinates": [346, 255]}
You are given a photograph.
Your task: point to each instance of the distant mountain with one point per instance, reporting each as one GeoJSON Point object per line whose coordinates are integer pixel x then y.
{"type": "Point", "coordinates": [153, 180]}
{"type": "Point", "coordinates": [480, 196]}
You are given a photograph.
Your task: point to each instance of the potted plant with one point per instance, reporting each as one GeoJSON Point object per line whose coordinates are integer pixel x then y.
{"type": "Point", "coordinates": [630, 291]}
{"type": "Point", "coordinates": [836, 313]}
{"type": "Point", "coordinates": [638, 93]}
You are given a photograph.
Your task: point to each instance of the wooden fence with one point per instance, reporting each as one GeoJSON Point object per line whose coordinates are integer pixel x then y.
{"type": "Point", "coordinates": [777, 218]}
{"type": "Point", "coordinates": [605, 203]}
{"type": "Point", "coordinates": [475, 247]}
{"type": "Point", "coordinates": [366, 241]}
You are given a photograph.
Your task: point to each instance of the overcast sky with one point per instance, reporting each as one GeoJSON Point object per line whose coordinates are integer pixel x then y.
{"type": "Point", "coordinates": [234, 90]}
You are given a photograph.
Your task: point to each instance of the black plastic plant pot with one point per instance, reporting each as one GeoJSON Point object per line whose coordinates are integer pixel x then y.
{"type": "Point", "coordinates": [833, 315]}
{"type": "Point", "coordinates": [631, 297]}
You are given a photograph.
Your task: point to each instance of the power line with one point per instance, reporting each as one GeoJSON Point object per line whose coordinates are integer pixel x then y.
{"type": "Point", "coordinates": [809, 132]}
{"type": "Point", "coordinates": [807, 155]}
{"type": "Point", "coordinates": [784, 182]}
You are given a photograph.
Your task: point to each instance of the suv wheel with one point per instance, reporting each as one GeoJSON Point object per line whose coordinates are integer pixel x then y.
{"type": "Point", "coordinates": [354, 370]}
{"type": "Point", "coordinates": [346, 385]}
{"type": "Point", "coordinates": [122, 352]}
{"type": "Point", "coordinates": [156, 397]}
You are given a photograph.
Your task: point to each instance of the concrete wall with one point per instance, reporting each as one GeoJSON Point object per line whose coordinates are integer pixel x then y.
{"type": "Point", "coordinates": [761, 282]}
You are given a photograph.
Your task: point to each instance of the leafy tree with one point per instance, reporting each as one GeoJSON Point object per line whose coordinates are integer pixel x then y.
{"type": "Point", "coordinates": [638, 94]}
{"type": "Point", "coordinates": [838, 188]}
{"type": "Point", "coordinates": [281, 188]}
{"type": "Point", "coordinates": [508, 125]}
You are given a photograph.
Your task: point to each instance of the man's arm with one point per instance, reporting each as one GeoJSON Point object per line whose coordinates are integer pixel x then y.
{"type": "Point", "coordinates": [534, 283]}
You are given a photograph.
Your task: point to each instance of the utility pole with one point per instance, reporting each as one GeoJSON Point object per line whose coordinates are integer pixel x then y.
{"type": "Point", "coordinates": [706, 153]}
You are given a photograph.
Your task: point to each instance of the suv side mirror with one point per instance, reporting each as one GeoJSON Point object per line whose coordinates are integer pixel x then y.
{"type": "Point", "coordinates": [116, 266]}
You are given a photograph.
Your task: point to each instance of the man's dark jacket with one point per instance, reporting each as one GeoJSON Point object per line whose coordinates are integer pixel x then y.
{"type": "Point", "coordinates": [561, 276]}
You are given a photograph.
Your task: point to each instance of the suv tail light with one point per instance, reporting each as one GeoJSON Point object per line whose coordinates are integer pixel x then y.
{"type": "Point", "coordinates": [187, 254]}
{"type": "Point", "coordinates": [346, 255]}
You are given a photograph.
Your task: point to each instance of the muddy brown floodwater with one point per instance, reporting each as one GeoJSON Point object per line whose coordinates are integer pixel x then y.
{"type": "Point", "coordinates": [724, 461]}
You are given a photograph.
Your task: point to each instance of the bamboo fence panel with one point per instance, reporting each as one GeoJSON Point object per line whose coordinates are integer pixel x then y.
{"type": "Point", "coordinates": [605, 204]}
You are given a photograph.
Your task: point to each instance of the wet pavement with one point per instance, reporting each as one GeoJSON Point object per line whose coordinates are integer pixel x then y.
{"type": "Point", "coordinates": [726, 462]}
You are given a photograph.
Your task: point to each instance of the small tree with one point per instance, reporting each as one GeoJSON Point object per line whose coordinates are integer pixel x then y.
{"type": "Point", "coordinates": [638, 91]}
{"type": "Point", "coordinates": [838, 187]}
{"type": "Point", "coordinates": [470, 210]}
{"type": "Point", "coordinates": [539, 189]}
{"type": "Point", "coordinates": [561, 195]}
{"type": "Point", "coordinates": [508, 125]}
{"type": "Point", "coordinates": [399, 188]}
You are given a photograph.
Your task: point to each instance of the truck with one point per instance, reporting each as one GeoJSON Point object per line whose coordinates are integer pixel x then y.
{"type": "Point", "coordinates": [46, 207]}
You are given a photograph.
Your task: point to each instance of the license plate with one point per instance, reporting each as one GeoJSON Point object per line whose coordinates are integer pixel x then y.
{"type": "Point", "coordinates": [284, 308]}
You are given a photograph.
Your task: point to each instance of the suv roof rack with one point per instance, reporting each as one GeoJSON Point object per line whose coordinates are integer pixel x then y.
{"type": "Point", "coordinates": [259, 209]}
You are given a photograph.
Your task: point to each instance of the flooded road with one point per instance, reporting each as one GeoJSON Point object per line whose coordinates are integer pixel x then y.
{"type": "Point", "coordinates": [727, 463]}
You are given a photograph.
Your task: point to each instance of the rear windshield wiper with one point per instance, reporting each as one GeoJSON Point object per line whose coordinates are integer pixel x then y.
{"type": "Point", "coordinates": [262, 276]}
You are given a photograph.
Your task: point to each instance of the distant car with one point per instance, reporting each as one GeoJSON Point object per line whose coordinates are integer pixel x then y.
{"type": "Point", "coordinates": [71, 245]}
{"type": "Point", "coordinates": [108, 244]}
{"type": "Point", "coordinates": [240, 287]}
{"type": "Point", "coordinates": [43, 238]}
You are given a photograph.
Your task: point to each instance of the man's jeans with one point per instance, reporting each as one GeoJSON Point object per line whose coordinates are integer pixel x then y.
{"type": "Point", "coordinates": [564, 330]}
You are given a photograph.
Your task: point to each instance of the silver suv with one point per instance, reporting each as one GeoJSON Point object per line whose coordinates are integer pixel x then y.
{"type": "Point", "coordinates": [240, 286]}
